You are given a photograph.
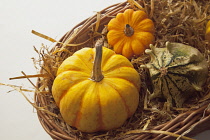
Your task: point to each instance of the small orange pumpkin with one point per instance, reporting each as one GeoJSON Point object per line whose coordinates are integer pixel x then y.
{"type": "Point", "coordinates": [208, 31]}
{"type": "Point", "coordinates": [99, 102]}
{"type": "Point", "coordinates": [130, 33]}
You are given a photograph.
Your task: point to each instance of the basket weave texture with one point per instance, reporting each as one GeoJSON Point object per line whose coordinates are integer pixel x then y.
{"type": "Point", "coordinates": [188, 122]}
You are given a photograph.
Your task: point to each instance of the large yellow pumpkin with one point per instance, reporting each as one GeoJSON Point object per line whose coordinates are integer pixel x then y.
{"type": "Point", "coordinates": [130, 33]}
{"type": "Point", "coordinates": [208, 31]}
{"type": "Point", "coordinates": [96, 96]}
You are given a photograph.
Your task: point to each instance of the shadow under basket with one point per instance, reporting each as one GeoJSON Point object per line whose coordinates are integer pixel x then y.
{"type": "Point", "coordinates": [175, 21]}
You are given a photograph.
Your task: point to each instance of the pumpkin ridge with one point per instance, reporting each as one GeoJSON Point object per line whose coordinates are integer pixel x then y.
{"type": "Point", "coordinates": [78, 117]}
{"type": "Point", "coordinates": [136, 18]}
{"type": "Point", "coordinates": [64, 94]}
{"type": "Point", "coordinates": [105, 62]}
{"type": "Point", "coordinates": [140, 26]}
{"type": "Point", "coordinates": [118, 46]}
{"type": "Point", "coordinates": [79, 114]}
{"type": "Point", "coordinates": [100, 121]}
{"type": "Point", "coordinates": [116, 23]}
{"type": "Point", "coordinates": [68, 65]}
{"type": "Point", "coordinates": [117, 65]}
{"type": "Point", "coordinates": [128, 16]}
{"type": "Point", "coordinates": [134, 84]}
{"type": "Point", "coordinates": [79, 71]}
{"type": "Point", "coordinates": [115, 68]}
{"type": "Point", "coordinates": [75, 84]}
{"type": "Point", "coordinates": [113, 36]}
{"type": "Point", "coordinates": [61, 98]}
{"type": "Point", "coordinates": [146, 38]}
{"type": "Point", "coordinates": [123, 100]}
{"type": "Point", "coordinates": [127, 50]}
{"type": "Point", "coordinates": [79, 57]}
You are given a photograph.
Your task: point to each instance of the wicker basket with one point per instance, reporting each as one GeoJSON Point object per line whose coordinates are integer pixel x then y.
{"type": "Point", "coordinates": [187, 123]}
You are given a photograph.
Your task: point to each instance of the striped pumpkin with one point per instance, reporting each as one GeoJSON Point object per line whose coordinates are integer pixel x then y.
{"type": "Point", "coordinates": [176, 72]}
{"type": "Point", "coordinates": [96, 96]}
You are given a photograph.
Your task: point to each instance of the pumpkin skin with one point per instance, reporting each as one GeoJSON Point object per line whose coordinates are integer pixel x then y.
{"type": "Point", "coordinates": [96, 106]}
{"type": "Point", "coordinates": [176, 71]}
{"type": "Point", "coordinates": [208, 31]}
{"type": "Point", "coordinates": [132, 44]}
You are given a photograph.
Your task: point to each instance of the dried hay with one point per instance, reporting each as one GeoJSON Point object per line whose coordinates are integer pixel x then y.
{"type": "Point", "coordinates": [175, 21]}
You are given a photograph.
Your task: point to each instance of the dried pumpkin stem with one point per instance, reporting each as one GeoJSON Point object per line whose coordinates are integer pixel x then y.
{"type": "Point", "coordinates": [128, 30]}
{"type": "Point", "coordinates": [97, 73]}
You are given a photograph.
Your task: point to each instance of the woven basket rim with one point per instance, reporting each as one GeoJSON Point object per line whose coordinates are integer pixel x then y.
{"type": "Point", "coordinates": [180, 124]}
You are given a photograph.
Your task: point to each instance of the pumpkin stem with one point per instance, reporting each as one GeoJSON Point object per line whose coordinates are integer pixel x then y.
{"type": "Point", "coordinates": [128, 30]}
{"type": "Point", "coordinates": [97, 73]}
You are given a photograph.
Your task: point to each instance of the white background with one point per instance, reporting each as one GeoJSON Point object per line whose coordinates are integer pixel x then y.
{"type": "Point", "coordinates": [18, 119]}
